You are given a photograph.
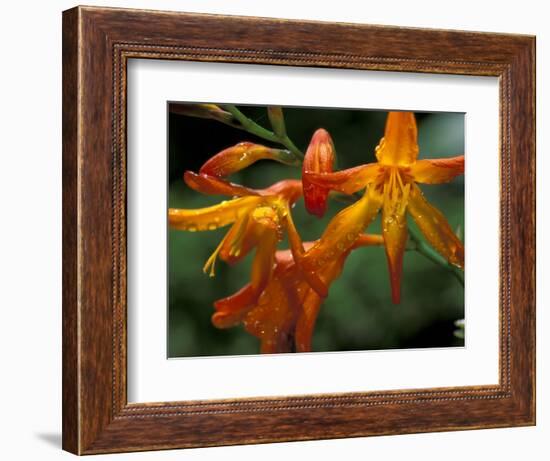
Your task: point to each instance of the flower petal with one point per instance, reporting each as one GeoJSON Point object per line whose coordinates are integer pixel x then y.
{"type": "Point", "coordinates": [399, 146]}
{"type": "Point", "coordinates": [298, 251]}
{"type": "Point", "coordinates": [273, 318]}
{"type": "Point", "coordinates": [306, 321]}
{"type": "Point", "coordinates": [343, 230]}
{"type": "Point", "coordinates": [437, 171]}
{"type": "Point", "coordinates": [231, 310]}
{"type": "Point", "coordinates": [347, 181]}
{"type": "Point", "coordinates": [212, 217]}
{"type": "Point", "coordinates": [243, 154]}
{"type": "Point", "coordinates": [211, 185]}
{"type": "Point", "coordinates": [311, 303]}
{"type": "Point", "coordinates": [262, 266]}
{"type": "Point", "coordinates": [289, 189]}
{"type": "Point", "coordinates": [394, 231]}
{"type": "Point", "coordinates": [435, 228]}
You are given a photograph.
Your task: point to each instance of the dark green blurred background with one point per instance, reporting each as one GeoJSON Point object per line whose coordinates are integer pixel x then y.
{"type": "Point", "coordinates": [358, 314]}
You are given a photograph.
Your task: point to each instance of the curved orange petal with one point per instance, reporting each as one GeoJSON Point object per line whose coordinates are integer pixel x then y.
{"type": "Point", "coordinates": [210, 185]}
{"type": "Point", "coordinates": [298, 251]}
{"type": "Point", "coordinates": [262, 265]}
{"type": "Point", "coordinates": [212, 217]}
{"type": "Point", "coordinates": [343, 230]}
{"type": "Point", "coordinates": [272, 320]}
{"type": "Point", "coordinates": [435, 228]}
{"type": "Point", "coordinates": [306, 321]}
{"type": "Point", "coordinates": [399, 146]}
{"type": "Point", "coordinates": [437, 171]}
{"type": "Point", "coordinates": [347, 181]}
{"type": "Point", "coordinates": [244, 154]}
{"type": "Point", "coordinates": [289, 189]}
{"type": "Point", "coordinates": [231, 310]}
{"type": "Point", "coordinates": [311, 303]}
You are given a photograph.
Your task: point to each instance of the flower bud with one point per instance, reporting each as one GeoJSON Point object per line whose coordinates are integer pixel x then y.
{"type": "Point", "coordinates": [241, 155]}
{"type": "Point", "coordinates": [277, 119]}
{"type": "Point", "coordinates": [210, 111]}
{"type": "Point", "coordinates": [319, 158]}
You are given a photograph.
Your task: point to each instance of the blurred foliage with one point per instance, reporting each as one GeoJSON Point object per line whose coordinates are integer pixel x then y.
{"type": "Point", "coordinates": [358, 314]}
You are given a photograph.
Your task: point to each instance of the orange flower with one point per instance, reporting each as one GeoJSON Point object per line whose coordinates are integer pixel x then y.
{"type": "Point", "coordinates": [283, 316]}
{"type": "Point", "coordinates": [259, 220]}
{"type": "Point", "coordinates": [390, 184]}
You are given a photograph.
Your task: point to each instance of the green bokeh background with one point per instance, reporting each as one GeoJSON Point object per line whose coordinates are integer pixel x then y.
{"type": "Point", "coordinates": [358, 314]}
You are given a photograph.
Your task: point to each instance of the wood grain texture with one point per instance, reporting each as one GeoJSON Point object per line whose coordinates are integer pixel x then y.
{"type": "Point", "coordinates": [97, 43]}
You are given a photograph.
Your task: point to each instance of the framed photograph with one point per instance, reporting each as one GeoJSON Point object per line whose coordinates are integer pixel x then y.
{"type": "Point", "coordinates": [330, 233]}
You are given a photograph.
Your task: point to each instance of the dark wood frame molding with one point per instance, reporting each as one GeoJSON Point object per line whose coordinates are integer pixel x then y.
{"type": "Point", "coordinates": [97, 43]}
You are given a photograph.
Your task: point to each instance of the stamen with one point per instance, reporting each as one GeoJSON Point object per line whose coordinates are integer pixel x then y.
{"type": "Point", "coordinates": [405, 199]}
{"type": "Point", "coordinates": [211, 262]}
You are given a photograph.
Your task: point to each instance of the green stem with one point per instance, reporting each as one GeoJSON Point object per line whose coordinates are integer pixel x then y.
{"type": "Point", "coordinates": [426, 250]}
{"type": "Point", "coordinates": [251, 126]}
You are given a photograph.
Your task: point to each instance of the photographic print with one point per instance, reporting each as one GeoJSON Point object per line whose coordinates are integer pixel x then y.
{"type": "Point", "coordinates": [303, 229]}
{"type": "Point", "coordinates": [231, 210]}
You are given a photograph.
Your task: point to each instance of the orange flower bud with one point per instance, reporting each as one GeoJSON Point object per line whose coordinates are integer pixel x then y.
{"type": "Point", "coordinates": [241, 155]}
{"type": "Point", "coordinates": [319, 158]}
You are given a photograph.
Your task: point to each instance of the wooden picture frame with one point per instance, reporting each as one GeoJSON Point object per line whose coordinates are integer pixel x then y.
{"type": "Point", "coordinates": [97, 43]}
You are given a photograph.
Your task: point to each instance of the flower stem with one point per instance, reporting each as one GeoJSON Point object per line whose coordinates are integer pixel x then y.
{"type": "Point", "coordinates": [251, 126]}
{"type": "Point", "coordinates": [418, 244]}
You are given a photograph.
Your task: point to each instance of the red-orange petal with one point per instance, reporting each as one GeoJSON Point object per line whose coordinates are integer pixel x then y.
{"type": "Point", "coordinates": [211, 185]}
{"type": "Point", "coordinates": [231, 310]}
{"type": "Point", "coordinates": [272, 320]}
{"type": "Point", "coordinates": [437, 171]}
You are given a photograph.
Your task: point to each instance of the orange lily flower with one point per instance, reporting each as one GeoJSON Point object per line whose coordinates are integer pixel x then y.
{"type": "Point", "coordinates": [259, 220]}
{"type": "Point", "coordinates": [390, 184]}
{"type": "Point", "coordinates": [283, 317]}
